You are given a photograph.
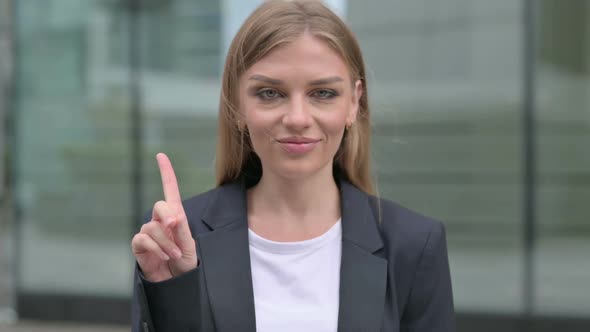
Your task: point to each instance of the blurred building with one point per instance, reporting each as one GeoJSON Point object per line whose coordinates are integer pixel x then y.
{"type": "Point", "coordinates": [481, 114]}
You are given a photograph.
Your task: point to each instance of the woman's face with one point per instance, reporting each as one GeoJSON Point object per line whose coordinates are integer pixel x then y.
{"type": "Point", "coordinates": [296, 103]}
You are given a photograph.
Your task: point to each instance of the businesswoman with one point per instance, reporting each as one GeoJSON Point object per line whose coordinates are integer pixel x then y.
{"type": "Point", "coordinates": [292, 238]}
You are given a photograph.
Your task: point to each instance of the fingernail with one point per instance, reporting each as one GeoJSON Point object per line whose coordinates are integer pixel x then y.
{"type": "Point", "coordinates": [177, 254]}
{"type": "Point", "coordinates": [165, 257]}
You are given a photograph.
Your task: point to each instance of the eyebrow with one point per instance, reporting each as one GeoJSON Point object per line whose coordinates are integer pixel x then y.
{"type": "Point", "coordinates": [265, 79]}
{"type": "Point", "coordinates": [273, 81]}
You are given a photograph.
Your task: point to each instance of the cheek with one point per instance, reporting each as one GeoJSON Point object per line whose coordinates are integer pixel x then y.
{"type": "Point", "coordinates": [335, 140]}
{"type": "Point", "coordinates": [259, 138]}
{"type": "Point", "coordinates": [333, 124]}
{"type": "Point", "coordinates": [260, 132]}
{"type": "Point", "coordinates": [333, 128]}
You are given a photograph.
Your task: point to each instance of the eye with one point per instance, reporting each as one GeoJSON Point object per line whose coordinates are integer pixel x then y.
{"type": "Point", "coordinates": [268, 94]}
{"type": "Point", "coordinates": [325, 93]}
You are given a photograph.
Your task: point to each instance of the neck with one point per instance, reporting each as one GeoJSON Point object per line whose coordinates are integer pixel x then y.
{"type": "Point", "coordinates": [304, 200]}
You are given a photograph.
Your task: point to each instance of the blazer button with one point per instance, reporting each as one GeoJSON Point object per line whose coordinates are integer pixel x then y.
{"type": "Point", "coordinates": [145, 327]}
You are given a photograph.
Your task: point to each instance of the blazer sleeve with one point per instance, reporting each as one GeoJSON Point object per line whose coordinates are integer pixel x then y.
{"type": "Point", "coordinates": [177, 304]}
{"type": "Point", "coordinates": [171, 305]}
{"type": "Point", "coordinates": [430, 305]}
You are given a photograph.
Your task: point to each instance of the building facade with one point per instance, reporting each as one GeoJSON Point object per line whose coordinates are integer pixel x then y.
{"type": "Point", "coordinates": [481, 114]}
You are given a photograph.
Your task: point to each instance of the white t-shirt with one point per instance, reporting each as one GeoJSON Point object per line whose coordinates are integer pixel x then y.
{"type": "Point", "coordinates": [296, 284]}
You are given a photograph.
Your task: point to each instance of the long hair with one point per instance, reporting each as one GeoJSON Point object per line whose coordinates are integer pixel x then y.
{"type": "Point", "coordinates": [272, 24]}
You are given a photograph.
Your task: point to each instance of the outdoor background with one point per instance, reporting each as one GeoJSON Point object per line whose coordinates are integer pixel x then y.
{"type": "Point", "coordinates": [481, 115]}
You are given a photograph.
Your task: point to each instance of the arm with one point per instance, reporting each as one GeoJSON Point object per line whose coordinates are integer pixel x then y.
{"type": "Point", "coordinates": [166, 254]}
{"type": "Point", "coordinates": [177, 304]}
{"type": "Point", "coordinates": [430, 305]}
{"type": "Point", "coordinates": [141, 320]}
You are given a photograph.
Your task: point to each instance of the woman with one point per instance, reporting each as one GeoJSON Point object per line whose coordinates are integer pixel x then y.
{"type": "Point", "coordinates": [292, 238]}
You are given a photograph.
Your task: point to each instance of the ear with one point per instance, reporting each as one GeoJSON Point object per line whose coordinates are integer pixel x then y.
{"type": "Point", "coordinates": [357, 93]}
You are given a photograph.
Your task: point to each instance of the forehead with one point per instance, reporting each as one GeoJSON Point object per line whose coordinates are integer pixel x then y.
{"type": "Point", "coordinates": [307, 57]}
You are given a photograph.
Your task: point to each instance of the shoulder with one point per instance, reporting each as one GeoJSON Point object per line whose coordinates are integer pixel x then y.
{"type": "Point", "coordinates": [416, 250]}
{"type": "Point", "coordinates": [392, 215]}
{"type": "Point", "coordinates": [405, 231]}
{"type": "Point", "coordinates": [195, 206]}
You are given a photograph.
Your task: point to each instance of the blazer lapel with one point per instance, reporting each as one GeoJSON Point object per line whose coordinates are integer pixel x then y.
{"type": "Point", "coordinates": [228, 273]}
{"type": "Point", "coordinates": [363, 275]}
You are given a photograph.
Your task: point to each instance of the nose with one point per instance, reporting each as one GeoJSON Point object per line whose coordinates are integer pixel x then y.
{"type": "Point", "coordinates": [298, 116]}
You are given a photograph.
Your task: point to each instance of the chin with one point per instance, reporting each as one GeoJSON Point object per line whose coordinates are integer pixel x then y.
{"type": "Point", "coordinates": [298, 169]}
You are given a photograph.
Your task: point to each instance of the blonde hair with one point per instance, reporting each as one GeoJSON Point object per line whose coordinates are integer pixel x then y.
{"type": "Point", "coordinates": [275, 23]}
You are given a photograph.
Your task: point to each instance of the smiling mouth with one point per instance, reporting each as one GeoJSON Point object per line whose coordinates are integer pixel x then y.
{"type": "Point", "coordinates": [298, 145]}
{"type": "Point", "coordinates": [297, 140]}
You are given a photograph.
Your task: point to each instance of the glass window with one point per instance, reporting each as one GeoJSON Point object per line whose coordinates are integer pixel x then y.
{"type": "Point", "coordinates": [6, 225]}
{"type": "Point", "coordinates": [73, 151]}
{"type": "Point", "coordinates": [180, 93]}
{"type": "Point", "coordinates": [445, 82]}
{"type": "Point", "coordinates": [5, 79]}
{"type": "Point", "coordinates": [563, 136]}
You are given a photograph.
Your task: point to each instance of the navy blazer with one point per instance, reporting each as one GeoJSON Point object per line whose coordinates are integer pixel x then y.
{"type": "Point", "coordinates": [394, 271]}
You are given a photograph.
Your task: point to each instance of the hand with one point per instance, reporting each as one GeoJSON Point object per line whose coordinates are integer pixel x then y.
{"type": "Point", "coordinates": [164, 247]}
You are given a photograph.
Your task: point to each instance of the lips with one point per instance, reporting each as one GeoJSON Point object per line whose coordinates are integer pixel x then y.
{"type": "Point", "coordinates": [298, 145]}
{"type": "Point", "coordinates": [297, 140]}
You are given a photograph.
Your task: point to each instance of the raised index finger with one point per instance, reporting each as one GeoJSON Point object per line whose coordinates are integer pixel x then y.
{"type": "Point", "coordinates": [169, 183]}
